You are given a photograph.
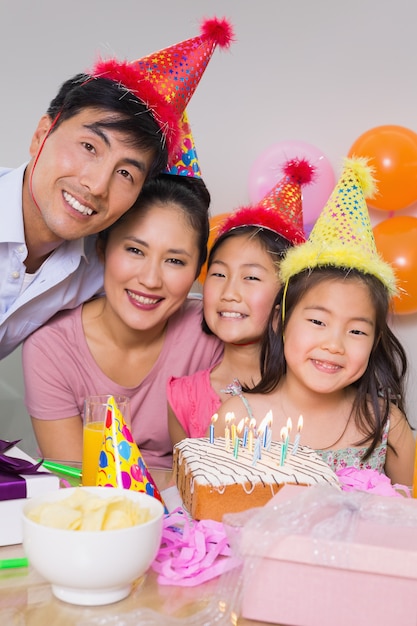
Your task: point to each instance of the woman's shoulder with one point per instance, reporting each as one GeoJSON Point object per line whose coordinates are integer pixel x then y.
{"type": "Point", "coordinates": [60, 324]}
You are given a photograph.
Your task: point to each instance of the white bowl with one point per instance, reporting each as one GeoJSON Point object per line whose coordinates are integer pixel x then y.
{"type": "Point", "coordinates": [93, 567]}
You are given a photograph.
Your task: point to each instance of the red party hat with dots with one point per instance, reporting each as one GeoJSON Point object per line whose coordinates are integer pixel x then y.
{"type": "Point", "coordinates": [166, 80]}
{"type": "Point", "coordinates": [281, 209]}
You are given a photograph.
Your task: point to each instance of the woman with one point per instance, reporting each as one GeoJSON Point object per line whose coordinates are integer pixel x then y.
{"type": "Point", "coordinates": [143, 330]}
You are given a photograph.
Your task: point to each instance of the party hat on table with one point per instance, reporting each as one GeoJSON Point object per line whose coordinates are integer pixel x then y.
{"type": "Point", "coordinates": [166, 80]}
{"type": "Point", "coordinates": [342, 235]}
{"type": "Point", "coordinates": [120, 462]}
{"type": "Point", "coordinates": [185, 160]}
{"type": "Point", "coordinates": [281, 209]}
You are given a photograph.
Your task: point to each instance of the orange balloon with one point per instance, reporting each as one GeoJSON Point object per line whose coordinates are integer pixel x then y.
{"type": "Point", "coordinates": [392, 151]}
{"type": "Point", "coordinates": [395, 240]}
{"type": "Point", "coordinates": [215, 223]}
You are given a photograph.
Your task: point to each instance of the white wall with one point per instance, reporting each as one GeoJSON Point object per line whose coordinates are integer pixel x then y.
{"type": "Point", "coordinates": [317, 71]}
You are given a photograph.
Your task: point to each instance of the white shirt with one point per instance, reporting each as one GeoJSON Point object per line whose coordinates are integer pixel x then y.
{"type": "Point", "coordinates": [68, 277]}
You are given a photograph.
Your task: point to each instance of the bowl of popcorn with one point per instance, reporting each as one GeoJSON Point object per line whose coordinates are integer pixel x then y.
{"type": "Point", "coordinates": [92, 543]}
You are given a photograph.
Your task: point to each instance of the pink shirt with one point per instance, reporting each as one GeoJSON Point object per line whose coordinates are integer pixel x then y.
{"type": "Point", "coordinates": [60, 372]}
{"type": "Point", "coordinates": [193, 401]}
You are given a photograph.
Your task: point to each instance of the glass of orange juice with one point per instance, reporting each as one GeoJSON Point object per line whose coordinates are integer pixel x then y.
{"type": "Point", "coordinates": [95, 409]}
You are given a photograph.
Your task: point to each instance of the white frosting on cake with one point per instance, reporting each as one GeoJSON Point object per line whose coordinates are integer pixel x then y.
{"type": "Point", "coordinates": [211, 464]}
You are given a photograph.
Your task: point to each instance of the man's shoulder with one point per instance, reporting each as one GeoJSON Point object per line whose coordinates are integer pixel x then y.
{"type": "Point", "coordinates": [12, 172]}
{"type": "Point", "coordinates": [5, 170]}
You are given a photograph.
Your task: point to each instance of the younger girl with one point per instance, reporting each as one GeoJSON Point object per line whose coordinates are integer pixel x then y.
{"type": "Point", "coordinates": [239, 290]}
{"type": "Point", "coordinates": [332, 357]}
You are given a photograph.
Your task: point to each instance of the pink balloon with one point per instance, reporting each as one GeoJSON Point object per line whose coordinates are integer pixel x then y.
{"type": "Point", "coordinates": [266, 171]}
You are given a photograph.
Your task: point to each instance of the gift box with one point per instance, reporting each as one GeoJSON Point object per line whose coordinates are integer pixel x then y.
{"type": "Point", "coordinates": [318, 557]}
{"type": "Point", "coordinates": [20, 478]}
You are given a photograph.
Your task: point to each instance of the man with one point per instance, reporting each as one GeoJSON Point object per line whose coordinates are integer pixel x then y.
{"type": "Point", "coordinates": [103, 135]}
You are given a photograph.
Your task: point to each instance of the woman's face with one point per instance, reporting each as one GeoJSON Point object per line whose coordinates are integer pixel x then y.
{"type": "Point", "coordinates": [239, 290]}
{"type": "Point", "coordinates": [150, 264]}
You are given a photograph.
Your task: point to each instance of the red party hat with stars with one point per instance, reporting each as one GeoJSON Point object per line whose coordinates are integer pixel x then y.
{"type": "Point", "coordinates": [166, 80]}
{"type": "Point", "coordinates": [120, 462]}
{"type": "Point", "coordinates": [281, 209]}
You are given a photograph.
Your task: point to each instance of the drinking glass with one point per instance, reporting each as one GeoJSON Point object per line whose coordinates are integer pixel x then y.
{"type": "Point", "coordinates": [95, 409]}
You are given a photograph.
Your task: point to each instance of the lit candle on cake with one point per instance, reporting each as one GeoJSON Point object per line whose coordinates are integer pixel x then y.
{"type": "Point", "coordinates": [233, 428]}
{"type": "Point", "coordinates": [298, 435]}
{"type": "Point", "coordinates": [257, 450]}
{"type": "Point", "coordinates": [227, 420]}
{"type": "Point", "coordinates": [237, 438]}
{"type": "Point", "coordinates": [269, 431]}
{"type": "Point", "coordinates": [284, 436]}
{"type": "Point", "coordinates": [289, 426]}
{"type": "Point", "coordinates": [245, 432]}
{"type": "Point", "coordinates": [213, 421]}
{"type": "Point", "coordinates": [287, 440]}
{"type": "Point", "coordinates": [263, 429]}
{"type": "Point", "coordinates": [252, 427]}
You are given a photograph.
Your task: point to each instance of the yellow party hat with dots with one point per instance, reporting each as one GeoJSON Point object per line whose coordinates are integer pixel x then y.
{"type": "Point", "coordinates": [342, 235]}
{"type": "Point", "coordinates": [120, 462]}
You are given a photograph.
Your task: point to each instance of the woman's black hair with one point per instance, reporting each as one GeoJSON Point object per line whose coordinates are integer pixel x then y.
{"type": "Point", "coordinates": [131, 116]}
{"type": "Point", "coordinates": [272, 242]}
{"type": "Point", "coordinates": [188, 192]}
{"type": "Point", "coordinates": [383, 381]}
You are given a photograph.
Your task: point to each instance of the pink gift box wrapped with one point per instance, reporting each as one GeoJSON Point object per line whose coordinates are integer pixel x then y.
{"type": "Point", "coordinates": [315, 556]}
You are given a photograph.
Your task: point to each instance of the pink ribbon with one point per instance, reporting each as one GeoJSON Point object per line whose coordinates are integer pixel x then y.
{"type": "Point", "coordinates": [353, 479]}
{"type": "Point", "coordinates": [192, 552]}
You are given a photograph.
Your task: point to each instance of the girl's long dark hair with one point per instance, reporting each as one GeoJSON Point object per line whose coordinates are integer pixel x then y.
{"type": "Point", "coordinates": [383, 381]}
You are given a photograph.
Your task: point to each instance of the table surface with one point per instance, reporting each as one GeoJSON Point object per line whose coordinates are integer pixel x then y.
{"type": "Point", "coordinates": [26, 599]}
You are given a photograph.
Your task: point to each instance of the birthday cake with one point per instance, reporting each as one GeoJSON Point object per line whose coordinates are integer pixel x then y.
{"type": "Point", "coordinates": [212, 482]}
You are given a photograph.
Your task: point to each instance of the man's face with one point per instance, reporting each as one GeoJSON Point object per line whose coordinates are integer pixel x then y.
{"type": "Point", "coordinates": [84, 176]}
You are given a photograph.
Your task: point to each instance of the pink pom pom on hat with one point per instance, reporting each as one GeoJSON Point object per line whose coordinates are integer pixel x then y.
{"type": "Point", "coordinates": [281, 209]}
{"type": "Point", "coordinates": [166, 80]}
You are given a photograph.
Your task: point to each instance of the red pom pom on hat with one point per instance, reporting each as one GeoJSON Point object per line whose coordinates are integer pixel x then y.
{"type": "Point", "coordinates": [281, 209]}
{"type": "Point", "coordinates": [219, 30]}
